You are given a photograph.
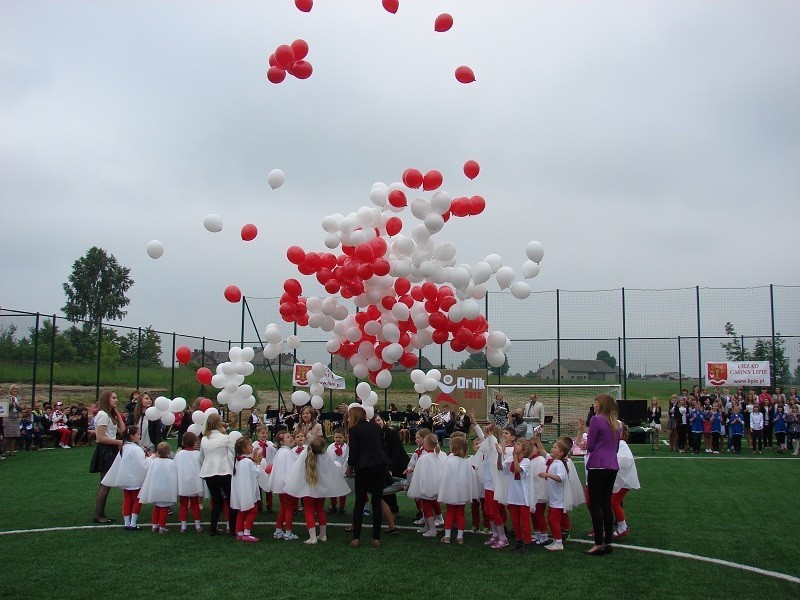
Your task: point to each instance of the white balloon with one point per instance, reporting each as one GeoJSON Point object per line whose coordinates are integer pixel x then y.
{"type": "Point", "coordinates": [231, 387]}
{"type": "Point", "coordinates": [235, 354]}
{"type": "Point", "coordinates": [300, 397]}
{"type": "Point", "coordinates": [317, 402]}
{"type": "Point", "coordinates": [275, 178]}
{"type": "Point", "coordinates": [168, 418]}
{"type": "Point", "coordinates": [420, 234]}
{"type": "Point", "coordinates": [244, 391]}
{"type": "Point", "coordinates": [420, 208]}
{"type": "Point", "coordinates": [481, 272]}
{"type": "Point", "coordinates": [391, 333]}
{"type": "Point", "coordinates": [496, 340]}
{"type": "Point", "coordinates": [400, 311]}
{"type": "Point", "coordinates": [212, 223]}
{"type": "Point", "coordinates": [530, 269]}
{"type": "Point", "coordinates": [247, 354]}
{"type": "Point", "coordinates": [272, 335]}
{"type": "Point", "coordinates": [504, 277]}
{"type": "Point", "coordinates": [361, 371]}
{"type": "Point", "coordinates": [378, 196]}
{"type": "Point", "coordinates": [249, 402]}
{"type": "Point", "coordinates": [235, 405]}
{"type": "Point", "coordinates": [495, 357]}
{"type": "Point", "coordinates": [177, 404]}
{"type": "Point", "coordinates": [152, 414]}
{"type": "Point", "coordinates": [479, 292]}
{"type": "Point", "coordinates": [293, 342]}
{"type": "Point", "coordinates": [318, 369]}
{"type": "Point", "coordinates": [211, 410]}
{"type": "Point", "coordinates": [369, 411]}
{"type": "Point", "coordinates": [155, 249]}
{"type": "Point", "coordinates": [470, 308]}
{"type": "Point", "coordinates": [440, 202]}
{"type": "Point", "coordinates": [392, 353]}
{"type": "Point", "coordinates": [332, 345]}
{"type": "Point", "coordinates": [372, 399]}
{"type": "Point", "coordinates": [417, 376]}
{"type": "Point", "coordinates": [384, 379]}
{"type": "Point", "coordinates": [271, 351]}
{"type": "Point", "coordinates": [460, 278]}
{"type": "Point", "coordinates": [162, 404]}
{"type": "Point", "coordinates": [434, 222]}
{"type": "Point", "coordinates": [520, 290]}
{"type": "Point", "coordinates": [456, 313]}
{"type": "Point", "coordinates": [228, 369]}
{"type": "Point", "coordinates": [431, 384]}
{"type": "Point", "coordinates": [249, 369]}
{"type": "Point", "coordinates": [434, 374]}
{"type": "Point", "coordinates": [316, 389]}
{"type": "Point", "coordinates": [535, 251]}
{"type": "Point", "coordinates": [374, 363]}
{"type": "Point", "coordinates": [419, 388]}
{"type": "Point", "coordinates": [331, 223]}
{"type": "Point", "coordinates": [196, 429]}
{"type": "Point", "coordinates": [425, 402]}
{"type": "Point", "coordinates": [224, 397]}
{"type": "Point", "coordinates": [445, 252]}
{"type": "Point", "coordinates": [362, 390]}
{"type": "Point", "coordinates": [198, 417]}
{"type": "Point", "coordinates": [495, 262]}
{"type": "Point", "coordinates": [234, 435]}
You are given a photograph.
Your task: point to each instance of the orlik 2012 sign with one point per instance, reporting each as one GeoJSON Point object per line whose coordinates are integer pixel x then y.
{"type": "Point", "coordinates": [463, 387]}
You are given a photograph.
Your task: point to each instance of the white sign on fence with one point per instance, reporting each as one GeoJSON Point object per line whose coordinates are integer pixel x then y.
{"type": "Point", "coordinates": [738, 373]}
{"type": "Point", "coordinates": [329, 380]}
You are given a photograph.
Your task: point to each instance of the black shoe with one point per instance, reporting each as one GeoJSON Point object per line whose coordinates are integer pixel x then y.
{"type": "Point", "coordinates": [102, 521]}
{"type": "Point", "coordinates": [608, 548]}
{"type": "Point", "coordinates": [600, 551]}
{"type": "Point", "coordinates": [522, 547]}
{"type": "Point", "coordinates": [518, 546]}
{"type": "Point", "coordinates": [392, 531]}
{"type": "Point", "coordinates": [132, 528]}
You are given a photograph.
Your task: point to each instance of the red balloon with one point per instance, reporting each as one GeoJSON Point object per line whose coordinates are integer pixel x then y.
{"type": "Point", "coordinates": [233, 294]}
{"type": "Point", "coordinates": [407, 300]}
{"type": "Point", "coordinates": [478, 204]}
{"type": "Point", "coordinates": [183, 354]}
{"type": "Point", "coordinates": [295, 254]}
{"type": "Point", "coordinates": [463, 74]}
{"type": "Point", "coordinates": [287, 309]}
{"type": "Point", "coordinates": [460, 207]}
{"type": "Point", "coordinates": [302, 69]}
{"type": "Point", "coordinates": [416, 293]}
{"type": "Point", "coordinates": [464, 335]}
{"type": "Point", "coordinates": [437, 320]}
{"type": "Point", "coordinates": [397, 198]}
{"type": "Point", "coordinates": [412, 178]}
{"type": "Point", "coordinates": [387, 302]}
{"type": "Point", "coordinates": [440, 336]}
{"type": "Point", "coordinates": [443, 23]}
{"type": "Point", "coordinates": [402, 286]}
{"type": "Point", "coordinates": [478, 341]}
{"type": "Point", "coordinates": [457, 346]}
{"type": "Point", "coordinates": [432, 180]}
{"type": "Point", "coordinates": [391, 5]}
{"type": "Point", "coordinates": [205, 404]}
{"type": "Point", "coordinates": [302, 320]}
{"type": "Point", "coordinates": [381, 267]}
{"type": "Point", "coordinates": [394, 225]}
{"type": "Point", "coordinates": [365, 271]}
{"type": "Point", "coordinates": [430, 291]}
{"type": "Point", "coordinates": [284, 55]}
{"type": "Point", "coordinates": [304, 5]}
{"type": "Point", "coordinates": [447, 302]}
{"type": "Point", "coordinates": [204, 375]}
{"type": "Point", "coordinates": [471, 169]}
{"type": "Point", "coordinates": [272, 61]}
{"type": "Point", "coordinates": [332, 286]}
{"type": "Point", "coordinates": [300, 49]}
{"type": "Point", "coordinates": [379, 246]}
{"type": "Point", "coordinates": [364, 253]}
{"type": "Point", "coordinates": [249, 232]}
{"type": "Point", "coordinates": [408, 360]}
{"type": "Point", "coordinates": [293, 287]}
{"type": "Point", "coordinates": [276, 74]}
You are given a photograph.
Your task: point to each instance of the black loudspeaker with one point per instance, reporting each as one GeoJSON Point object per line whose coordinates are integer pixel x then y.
{"type": "Point", "coordinates": [632, 412]}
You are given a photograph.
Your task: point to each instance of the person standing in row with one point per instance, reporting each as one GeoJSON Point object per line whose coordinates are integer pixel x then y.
{"type": "Point", "coordinates": [216, 469]}
{"type": "Point", "coordinates": [107, 422]}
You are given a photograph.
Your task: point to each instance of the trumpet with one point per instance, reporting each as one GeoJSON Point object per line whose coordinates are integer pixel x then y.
{"type": "Point", "coordinates": [462, 410]}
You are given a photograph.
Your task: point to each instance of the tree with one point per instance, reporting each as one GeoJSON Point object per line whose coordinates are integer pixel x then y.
{"type": "Point", "coordinates": [781, 368]}
{"type": "Point", "coordinates": [733, 348]}
{"type": "Point", "coordinates": [149, 348]}
{"type": "Point", "coordinates": [96, 288]}
{"type": "Point", "coordinates": [477, 360]}
{"type": "Point", "coordinates": [607, 358]}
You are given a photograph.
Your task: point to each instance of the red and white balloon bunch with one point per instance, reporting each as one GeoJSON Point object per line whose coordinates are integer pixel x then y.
{"type": "Point", "coordinates": [164, 409]}
{"type": "Point", "coordinates": [229, 379]}
{"type": "Point", "coordinates": [410, 291]}
{"type": "Point", "coordinates": [289, 58]}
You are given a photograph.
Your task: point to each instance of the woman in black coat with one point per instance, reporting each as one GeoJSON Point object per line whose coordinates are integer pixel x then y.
{"type": "Point", "coordinates": [398, 458]}
{"type": "Point", "coordinates": [369, 463]}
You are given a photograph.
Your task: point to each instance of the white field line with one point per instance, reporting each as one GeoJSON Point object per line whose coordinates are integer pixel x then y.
{"type": "Point", "coordinates": [676, 554]}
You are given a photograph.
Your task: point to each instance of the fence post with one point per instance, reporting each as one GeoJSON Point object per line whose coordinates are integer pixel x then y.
{"type": "Point", "coordinates": [699, 342]}
{"type": "Point", "coordinates": [52, 360]}
{"type": "Point", "coordinates": [172, 370]}
{"type": "Point", "coordinates": [619, 363]}
{"type": "Point", "coordinates": [624, 351]}
{"type": "Point", "coordinates": [99, 353]}
{"type": "Point", "coordinates": [773, 374]}
{"type": "Point", "coordinates": [138, 358]}
{"type": "Point", "coordinates": [680, 367]}
{"type": "Point", "coordinates": [558, 337]}
{"type": "Point", "coordinates": [35, 358]}
{"type": "Point", "coordinates": [203, 364]}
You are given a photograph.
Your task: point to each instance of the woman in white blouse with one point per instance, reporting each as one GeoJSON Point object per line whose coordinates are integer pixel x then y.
{"type": "Point", "coordinates": [107, 422]}
{"type": "Point", "coordinates": [216, 468]}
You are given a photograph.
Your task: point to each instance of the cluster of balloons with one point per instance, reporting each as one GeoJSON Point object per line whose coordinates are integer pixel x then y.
{"type": "Point", "coordinates": [410, 290]}
{"type": "Point", "coordinates": [229, 379]}
{"type": "Point", "coordinates": [199, 417]}
{"type": "Point", "coordinates": [275, 344]}
{"type": "Point", "coordinates": [288, 58]}
{"type": "Point", "coordinates": [164, 409]}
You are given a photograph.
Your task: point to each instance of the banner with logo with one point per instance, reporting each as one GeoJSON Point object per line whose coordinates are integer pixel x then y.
{"type": "Point", "coordinates": [329, 380]}
{"type": "Point", "coordinates": [462, 387]}
{"type": "Point", "coordinates": [738, 373]}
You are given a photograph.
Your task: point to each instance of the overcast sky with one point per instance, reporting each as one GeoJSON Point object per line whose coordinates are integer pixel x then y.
{"type": "Point", "coordinates": [646, 144]}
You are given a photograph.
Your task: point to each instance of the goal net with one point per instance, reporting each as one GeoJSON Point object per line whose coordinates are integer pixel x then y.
{"type": "Point", "coordinates": [564, 405]}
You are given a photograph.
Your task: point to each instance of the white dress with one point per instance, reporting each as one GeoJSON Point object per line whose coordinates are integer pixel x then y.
{"type": "Point", "coordinates": [160, 486]}
{"type": "Point", "coordinates": [476, 460]}
{"type": "Point", "coordinates": [285, 457]}
{"type": "Point", "coordinates": [427, 472]}
{"type": "Point", "coordinates": [129, 468]}
{"type": "Point", "coordinates": [244, 485]}
{"type": "Point", "coordinates": [537, 487]}
{"type": "Point", "coordinates": [187, 462]}
{"type": "Point", "coordinates": [457, 483]}
{"type": "Point", "coordinates": [517, 486]}
{"type": "Point", "coordinates": [330, 480]}
{"type": "Point", "coordinates": [500, 480]}
{"type": "Point", "coordinates": [627, 476]}
{"type": "Point", "coordinates": [576, 487]}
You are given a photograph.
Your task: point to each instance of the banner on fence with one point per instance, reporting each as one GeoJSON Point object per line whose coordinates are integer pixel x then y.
{"type": "Point", "coordinates": [738, 373]}
{"type": "Point", "coordinates": [462, 387]}
{"type": "Point", "coordinates": [329, 380]}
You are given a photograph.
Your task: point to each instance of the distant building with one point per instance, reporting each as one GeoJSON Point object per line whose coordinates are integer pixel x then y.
{"type": "Point", "coordinates": [578, 370]}
{"type": "Point", "coordinates": [669, 376]}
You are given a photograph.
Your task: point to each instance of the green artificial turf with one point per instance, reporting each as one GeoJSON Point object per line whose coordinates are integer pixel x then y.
{"type": "Point", "coordinates": [740, 509]}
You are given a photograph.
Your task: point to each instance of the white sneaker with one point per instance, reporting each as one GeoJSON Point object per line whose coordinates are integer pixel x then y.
{"type": "Point", "coordinates": [290, 537]}
{"type": "Point", "coordinates": [439, 521]}
{"type": "Point", "coordinates": [419, 521]}
{"type": "Point", "coordinates": [278, 535]}
{"type": "Point", "coordinates": [430, 533]}
{"type": "Point", "coordinates": [322, 538]}
{"type": "Point", "coordinates": [423, 529]}
{"type": "Point", "coordinates": [311, 541]}
{"type": "Point", "coordinates": [555, 545]}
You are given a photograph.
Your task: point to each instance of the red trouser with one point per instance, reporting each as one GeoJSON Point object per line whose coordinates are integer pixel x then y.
{"type": "Point", "coordinates": [186, 502]}
{"type": "Point", "coordinates": [66, 435]}
{"type": "Point", "coordinates": [341, 500]}
{"type": "Point", "coordinates": [454, 514]}
{"type": "Point", "coordinates": [245, 519]}
{"type": "Point", "coordinates": [521, 520]}
{"type": "Point", "coordinates": [566, 524]}
{"type": "Point", "coordinates": [492, 509]}
{"type": "Point", "coordinates": [430, 508]}
{"type": "Point", "coordinates": [479, 506]}
{"type": "Point", "coordinates": [314, 507]}
{"type": "Point", "coordinates": [160, 516]}
{"type": "Point", "coordinates": [286, 512]}
{"type": "Point", "coordinates": [554, 516]}
{"type": "Point", "coordinates": [540, 521]}
{"type": "Point", "coordinates": [616, 504]}
{"type": "Point", "coordinates": [130, 503]}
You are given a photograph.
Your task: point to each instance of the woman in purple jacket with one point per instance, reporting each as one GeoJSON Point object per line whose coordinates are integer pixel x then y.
{"type": "Point", "coordinates": [602, 466]}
